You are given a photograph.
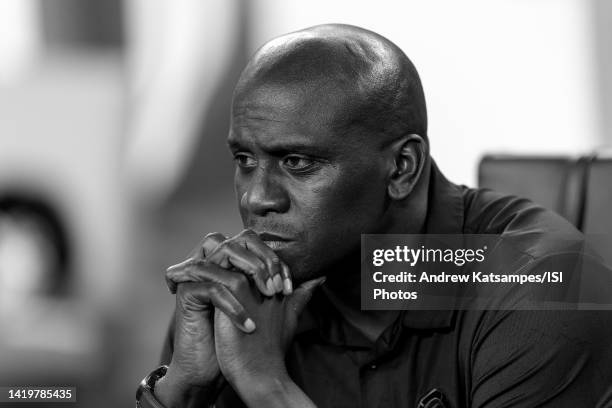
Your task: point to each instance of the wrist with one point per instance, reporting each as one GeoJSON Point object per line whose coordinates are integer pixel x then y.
{"type": "Point", "coordinates": [271, 390]}
{"type": "Point", "coordinates": [175, 391]}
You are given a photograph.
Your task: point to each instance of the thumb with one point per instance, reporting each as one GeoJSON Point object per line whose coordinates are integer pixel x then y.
{"type": "Point", "coordinates": [301, 296]}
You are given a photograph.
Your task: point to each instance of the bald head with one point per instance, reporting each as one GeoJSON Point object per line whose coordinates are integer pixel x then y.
{"type": "Point", "coordinates": [373, 84]}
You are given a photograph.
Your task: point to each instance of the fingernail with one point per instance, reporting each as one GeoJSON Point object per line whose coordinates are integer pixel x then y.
{"type": "Point", "coordinates": [249, 325]}
{"type": "Point", "coordinates": [278, 282]}
{"type": "Point", "coordinates": [270, 286]}
{"type": "Point", "coordinates": [287, 286]}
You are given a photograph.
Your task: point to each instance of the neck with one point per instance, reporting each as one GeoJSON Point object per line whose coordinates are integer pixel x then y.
{"type": "Point", "coordinates": [371, 323]}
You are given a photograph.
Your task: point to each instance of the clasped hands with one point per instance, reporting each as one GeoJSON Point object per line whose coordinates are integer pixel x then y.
{"type": "Point", "coordinates": [236, 313]}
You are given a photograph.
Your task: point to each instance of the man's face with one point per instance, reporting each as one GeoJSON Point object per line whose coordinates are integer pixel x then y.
{"type": "Point", "coordinates": [306, 189]}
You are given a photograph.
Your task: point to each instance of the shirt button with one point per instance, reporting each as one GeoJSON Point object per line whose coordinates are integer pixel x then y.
{"type": "Point", "coordinates": [373, 367]}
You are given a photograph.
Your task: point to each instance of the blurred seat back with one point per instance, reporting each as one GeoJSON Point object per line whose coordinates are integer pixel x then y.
{"type": "Point", "coordinates": [598, 204]}
{"type": "Point", "coordinates": [554, 182]}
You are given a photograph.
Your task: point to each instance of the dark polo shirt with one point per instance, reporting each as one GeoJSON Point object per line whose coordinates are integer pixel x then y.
{"type": "Point", "coordinates": [458, 358]}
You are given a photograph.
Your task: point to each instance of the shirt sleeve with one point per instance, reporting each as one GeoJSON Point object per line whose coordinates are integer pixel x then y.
{"type": "Point", "coordinates": [548, 358]}
{"type": "Point", "coordinates": [543, 359]}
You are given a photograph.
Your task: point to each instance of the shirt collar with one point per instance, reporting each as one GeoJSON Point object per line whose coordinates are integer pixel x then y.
{"type": "Point", "coordinates": [445, 210]}
{"type": "Point", "coordinates": [445, 214]}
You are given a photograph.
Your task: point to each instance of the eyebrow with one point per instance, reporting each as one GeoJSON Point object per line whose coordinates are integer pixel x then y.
{"type": "Point", "coordinates": [283, 147]}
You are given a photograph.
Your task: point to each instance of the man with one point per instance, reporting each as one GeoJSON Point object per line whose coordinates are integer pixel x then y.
{"type": "Point", "coordinates": [329, 135]}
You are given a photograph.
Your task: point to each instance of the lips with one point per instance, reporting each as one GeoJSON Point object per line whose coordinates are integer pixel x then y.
{"type": "Point", "coordinates": [269, 236]}
{"type": "Point", "coordinates": [274, 241]}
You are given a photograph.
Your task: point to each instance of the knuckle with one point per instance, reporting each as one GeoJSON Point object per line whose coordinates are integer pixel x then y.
{"type": "Point", "coordinates": [215, 290]}
{"type": "Point", "coordinates": [247, 233]}
{"type": "Point", "coordinates": [214, 236]}
{"type": "Point", "coordinates": [261, 269]}
{"type": "Point", "coordinates": [238, 282]}
{"type": "Point", "coordinates": [210, 242]}
{"type": "Point", "coordinates": [192, 264]}
{"type": "Point", "coordinates": [179, 269]}
{"type": "Point", "coordinates": [223, 246]}
{"type": "Point", "coordinates": [199, 264]}
{"type": "Point", "coordinates": [227, 242]}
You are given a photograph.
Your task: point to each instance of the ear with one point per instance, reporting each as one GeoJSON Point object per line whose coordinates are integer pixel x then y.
{"type": "Point", "coordinates": [409, 155]}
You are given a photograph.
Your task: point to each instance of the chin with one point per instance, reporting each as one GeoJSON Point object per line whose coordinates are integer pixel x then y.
{"type": "Point", "coordinates": [304, 267]}
{"type": "Point", "coordinates": [302, 271]}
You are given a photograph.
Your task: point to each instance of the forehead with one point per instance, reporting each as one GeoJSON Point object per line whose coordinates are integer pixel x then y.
{"type": "Point", "coordinates": [306, 114]}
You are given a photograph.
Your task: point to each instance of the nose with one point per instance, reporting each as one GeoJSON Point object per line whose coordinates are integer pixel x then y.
{"type": "Point", "coordinates": [264, 194]}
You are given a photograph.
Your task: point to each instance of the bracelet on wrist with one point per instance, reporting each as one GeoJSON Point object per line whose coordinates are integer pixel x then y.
{"type": "Point", "coordinates": [144, 394]}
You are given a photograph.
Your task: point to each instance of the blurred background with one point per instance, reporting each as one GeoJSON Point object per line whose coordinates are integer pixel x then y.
{"type": "Point", "coordinates": [113, 118]}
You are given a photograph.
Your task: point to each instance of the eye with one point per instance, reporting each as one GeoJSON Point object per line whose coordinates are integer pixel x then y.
{"type": "Point", "coordinates": [295, 162]}
{"type": "Point", "coordinates": [245, 160]}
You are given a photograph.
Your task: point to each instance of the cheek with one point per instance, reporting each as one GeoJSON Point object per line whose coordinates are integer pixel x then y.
{"type": "Point", "coordinates": [360, 193]}
{"type": "Point", "coordinates": [347, 202]}
{"type": "Point", "coordinates": [239, 197]}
